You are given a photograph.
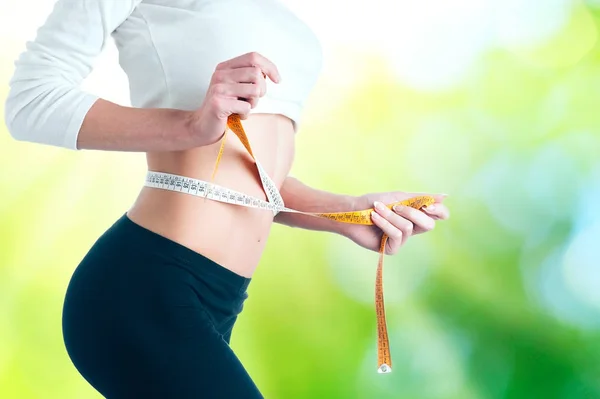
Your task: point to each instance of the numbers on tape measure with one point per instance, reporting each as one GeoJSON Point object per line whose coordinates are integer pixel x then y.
{"type": "Point", "coordinates": [275, 204]}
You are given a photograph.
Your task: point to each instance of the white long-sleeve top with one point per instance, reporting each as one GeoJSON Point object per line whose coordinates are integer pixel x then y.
{"type": "Point", "coordinates": [168, 49]}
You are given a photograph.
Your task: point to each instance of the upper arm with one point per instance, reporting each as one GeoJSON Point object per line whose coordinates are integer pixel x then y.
{"type": "Point", "coordinates": [45, 103]}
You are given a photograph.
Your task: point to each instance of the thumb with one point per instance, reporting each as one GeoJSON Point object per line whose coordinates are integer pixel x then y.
{"type": "Point", "coordinates": [439, 197]}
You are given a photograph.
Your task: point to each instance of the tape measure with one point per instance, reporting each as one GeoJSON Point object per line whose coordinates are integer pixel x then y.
{"type": "Point", "coordinates": [275, 204]}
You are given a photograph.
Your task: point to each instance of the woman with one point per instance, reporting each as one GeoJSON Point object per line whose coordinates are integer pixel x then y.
{"type": "Point", "coordinates": [150, 309]}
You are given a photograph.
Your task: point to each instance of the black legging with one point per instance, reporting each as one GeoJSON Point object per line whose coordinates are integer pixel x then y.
{"type": "Point", "coordinates": [145, 317]}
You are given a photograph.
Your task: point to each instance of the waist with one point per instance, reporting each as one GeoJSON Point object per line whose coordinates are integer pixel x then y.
{"type": "Point", "coordinates": [230, 235]}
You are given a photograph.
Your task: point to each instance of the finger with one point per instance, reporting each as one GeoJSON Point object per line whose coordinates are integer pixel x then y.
{"type": "Point", "coordinates": [247, 92]}
{"type": "Point", "coordinates": [236, 90]}
{"type": "Point", "coordinates": [420, 220]}
{"type": "Point", "coordinates": [252, 59]}
{"type": "Point", "coordinates": [437, 211]}
{"type": "Point", "coordinates": [399, 222]}
{"type": "Point", "coordinates": [228, 106]}
{"type": "Point", "coordinates": [439, 198]}
{"type": "Point", "coordinates": [241, 75]}
{"type": "Point", "coordinates": [242, 108]}
{"type": "Point", "coordinates": [253, 101]}
{"type": "Point", "coordinates": [395, 237]}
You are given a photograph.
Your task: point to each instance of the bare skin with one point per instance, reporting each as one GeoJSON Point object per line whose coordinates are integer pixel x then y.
{"type": "Point", "coordinates": [186, 143]}
{"type": "Point", "coordinates": [232, 236]}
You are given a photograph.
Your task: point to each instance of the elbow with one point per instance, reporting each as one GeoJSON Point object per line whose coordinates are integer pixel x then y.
{"type": "Point", "coordinates": [45, 112]}
{"type": "Point", "coordinates": [20, 110]}
{"type": "Point", "coordinates": [11, 112]}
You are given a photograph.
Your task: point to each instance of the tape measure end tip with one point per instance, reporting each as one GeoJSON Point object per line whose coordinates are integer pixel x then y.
{"type": "Point", "coordinates": [384, 369]}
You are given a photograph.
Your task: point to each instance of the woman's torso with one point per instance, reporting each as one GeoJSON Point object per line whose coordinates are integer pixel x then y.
{"type": "Point", "coordinates": [169, 49]}
{"type": "Point", "coordinates": [232, 236]}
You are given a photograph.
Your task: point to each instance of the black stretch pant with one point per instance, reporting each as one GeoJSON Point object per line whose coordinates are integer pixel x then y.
{"type": "Point", "coordinates": [145, 317]}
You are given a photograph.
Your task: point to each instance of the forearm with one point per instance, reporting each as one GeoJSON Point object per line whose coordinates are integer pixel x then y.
{"type": "Point", "coordinates": [46, 103]}
{"type": "Point", "coordinates": [301, 197]}
{"type": "Point", "coordinates": [108, 126]}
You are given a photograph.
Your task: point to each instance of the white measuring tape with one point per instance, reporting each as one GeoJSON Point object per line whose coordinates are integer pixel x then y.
{"type": "Point", "coordinates": [212, 191]}
{"type": "Point", "coordinates": [274, 203]}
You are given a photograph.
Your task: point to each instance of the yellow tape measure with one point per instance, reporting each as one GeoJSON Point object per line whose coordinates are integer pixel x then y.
{"type": "Point", "coordinates": [362, 217]}
{"type": "Point", "coordinates": [275, 204]}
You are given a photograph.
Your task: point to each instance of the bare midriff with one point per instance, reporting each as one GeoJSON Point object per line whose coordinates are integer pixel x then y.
{"type": "Point", "coordinates": [232, 236]}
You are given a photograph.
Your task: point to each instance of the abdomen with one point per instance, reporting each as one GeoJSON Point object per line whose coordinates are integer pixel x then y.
{"type": "Point", "coordinates": [233, 236]}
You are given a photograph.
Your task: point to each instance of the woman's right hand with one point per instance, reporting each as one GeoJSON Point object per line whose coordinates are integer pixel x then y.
{"type": "Point", "coordinates": [235, 88]}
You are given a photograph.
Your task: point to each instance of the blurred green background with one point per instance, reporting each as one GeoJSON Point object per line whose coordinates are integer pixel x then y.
{"type": "Point", "coordinates": [495, 103]}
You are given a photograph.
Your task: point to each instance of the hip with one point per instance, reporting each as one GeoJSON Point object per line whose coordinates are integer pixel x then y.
{"type": "Point", "coordinates": [130, 268]}
{"type": "Point", "coordinates": [144, 316]}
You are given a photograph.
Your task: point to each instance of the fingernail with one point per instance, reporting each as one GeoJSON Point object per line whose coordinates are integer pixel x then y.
{"type": "Point", "coordinates": [429, 208]}
{"type": "Point", "coordinates": [375, 215]}
{"type": "Point", "coordinates": [398, 208]}
{"type": "Point", "coordinates": [444, 195]}
{"type": "Point", "coordinates": [379, 206]}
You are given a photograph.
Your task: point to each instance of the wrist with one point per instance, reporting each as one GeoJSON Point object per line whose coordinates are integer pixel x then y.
{"type": "Point", "coordinates": [347, 203]}
{"type": "Point", "coordinates": [191, 124]}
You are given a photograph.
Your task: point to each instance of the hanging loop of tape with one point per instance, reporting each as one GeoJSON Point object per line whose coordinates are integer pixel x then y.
{"type": "Point", "coordinates": [275, 204]}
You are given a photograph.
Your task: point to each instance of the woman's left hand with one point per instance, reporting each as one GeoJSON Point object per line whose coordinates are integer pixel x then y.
{"type": "Point", "coordinates": [399, 223]}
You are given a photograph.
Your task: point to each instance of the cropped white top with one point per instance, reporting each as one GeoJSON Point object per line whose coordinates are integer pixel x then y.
{"type": "Point", "coordinates": [169, 50]}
